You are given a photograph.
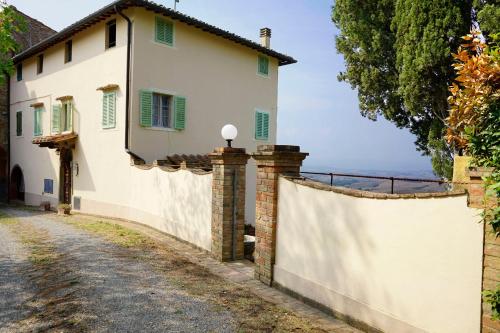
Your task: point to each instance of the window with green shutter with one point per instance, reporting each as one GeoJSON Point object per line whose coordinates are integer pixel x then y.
{"type": "Point", "coordinates": [261, 125]}
{"type": "Point", "coordinates": [162, 111]}
{"type": "Point", "coordinates": [164, 31]}
{"type": "Point", "coordinates": [180, 113]}
{"type": "Point", "coordinates": [37, 122]}
{"type": "Point", "coordinates": [19, 123]}
{"type": "Point", "coordinates": [109, 110]}
{"type": "Point", "coordinates": [263, 65]}
{"type": "Point", "coordinates": [56, 119]}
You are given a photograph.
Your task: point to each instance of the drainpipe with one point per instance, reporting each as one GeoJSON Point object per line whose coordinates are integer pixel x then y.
{"type": "Point", "coordinates": [7, 80]}
{"type": "Point", "coordinates": [127, 93]}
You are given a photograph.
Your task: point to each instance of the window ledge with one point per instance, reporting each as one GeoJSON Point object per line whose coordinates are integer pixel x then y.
{"type": "Point", "coordinates": [164, 44]}
{"type": "Point", "coordinates": [161, 129]}
{"type": "Point", "coordinates": [109, 129]}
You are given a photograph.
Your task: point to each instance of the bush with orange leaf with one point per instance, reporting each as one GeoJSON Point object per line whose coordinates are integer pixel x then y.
{"type": "Point", "coordinates": [476, 88]}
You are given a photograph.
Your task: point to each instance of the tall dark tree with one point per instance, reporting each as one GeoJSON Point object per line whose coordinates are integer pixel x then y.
{"type": "Point", "coordinates": [398, 57]}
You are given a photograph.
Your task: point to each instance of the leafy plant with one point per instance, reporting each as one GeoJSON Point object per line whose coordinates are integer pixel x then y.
{"type": "Point", "coordinates": [473, 122]}
{"type": "Point", "coordinates": [10, 23]}
{"type": "Point", "coordinates": [64, 206]}
{"type": "Point", "coordinates": [493, 297]}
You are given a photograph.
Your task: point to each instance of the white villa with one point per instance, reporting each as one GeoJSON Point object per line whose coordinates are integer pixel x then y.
{"type": "Point", "coordinates": [133, 81]}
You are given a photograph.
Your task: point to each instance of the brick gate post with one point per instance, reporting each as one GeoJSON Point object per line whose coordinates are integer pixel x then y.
{"type": "Point", "coordinates": [271, 160]}
{"type": "Point", "coordinates": [491, 246]}
{"type": "Point", "coordinates": [228, 202]}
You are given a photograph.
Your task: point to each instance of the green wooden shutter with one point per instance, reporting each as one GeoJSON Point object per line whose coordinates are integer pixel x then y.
{"type": "Point", "coordinates": [37, 128]}
{"type": "Point", "coordinates": [180, 113]}
{"type": "Point", "coordinates": [109, 110]}
{"type": "Point", "coordinates": [263, 65]}
{"type": "Point", "coordinates": [164, 31]}
{"type": "Point", "coordinates": [69, 117]}
{"type": "Point", "coordinates": [19, 123]}
{"type": "Point", "coordinates": [146, 116]}
{"type": "Point", "coordinates": [261, 125]}
{"type": "Point", "coordinates": [105, 110]}
{"type": "Point", "coordinates": [56, 119]}
{"type": "Point", "coordinates": [265, 126]}
{"type": "Point", "coordinates": [258, 125]}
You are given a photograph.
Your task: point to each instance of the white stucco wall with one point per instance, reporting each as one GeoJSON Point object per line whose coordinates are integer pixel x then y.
{"type": "Point", "coordinates": [178, 203]}
{"type": "Point", "coordinates": [400, 265]}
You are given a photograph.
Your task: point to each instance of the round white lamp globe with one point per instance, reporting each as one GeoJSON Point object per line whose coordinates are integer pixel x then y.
{"type": "Point", "coordinates": [229, 133]}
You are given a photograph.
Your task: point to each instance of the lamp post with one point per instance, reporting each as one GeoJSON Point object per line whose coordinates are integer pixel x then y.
{"type": "Point", "coordinates": [229, 133]}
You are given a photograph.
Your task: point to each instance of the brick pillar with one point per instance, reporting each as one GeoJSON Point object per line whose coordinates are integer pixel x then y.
{"type": "Point", "coordinates": [272, 160]}
{"type": "Point", "coordinates": [491, 247]}
{"type": "Point", "coordinates": [228, 202]}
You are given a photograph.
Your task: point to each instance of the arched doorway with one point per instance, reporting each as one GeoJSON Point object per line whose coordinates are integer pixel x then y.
{"type": "Point", "coordinates": [16, 191]}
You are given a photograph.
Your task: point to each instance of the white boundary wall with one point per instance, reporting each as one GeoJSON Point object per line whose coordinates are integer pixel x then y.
{"type": "Point", "coordinates": [176, 202]}
{"type": "Point", "coordinates": [399, 265]}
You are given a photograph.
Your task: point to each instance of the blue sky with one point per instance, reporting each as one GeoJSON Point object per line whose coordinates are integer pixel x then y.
{"type": "Point", "coordinates": [315, 110]}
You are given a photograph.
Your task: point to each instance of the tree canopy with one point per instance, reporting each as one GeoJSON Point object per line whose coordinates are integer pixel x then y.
{"type": "Point", "coordinates": [398, 57]}
{"type": "Point", "coordinates": [10, 23]}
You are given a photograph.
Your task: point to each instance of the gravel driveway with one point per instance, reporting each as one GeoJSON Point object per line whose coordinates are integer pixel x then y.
{"type": "Point", "coordinates": [80, 282]}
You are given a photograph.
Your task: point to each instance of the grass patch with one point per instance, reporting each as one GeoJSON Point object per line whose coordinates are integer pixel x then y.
{"type": "Point", "coordinates": [112, 232]}
{"type": "Point", "coordinates": [7, 220]}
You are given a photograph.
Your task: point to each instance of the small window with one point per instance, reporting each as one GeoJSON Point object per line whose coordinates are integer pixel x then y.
{"type": "Point", "coordinates": [39, 64]}
{"type": "Point", "coordinates": [111, 34]}
{"type": "Point", "coordinates": [109, 110]}
{"type": "Point", "coordinates": [68, 51]}
{"type": "Point", "coordinates": [48, 186]}
{"type": "Point", "coordinates": [19, 123]}
{"type": "Point", "coordinates": [19, 70]}
{"type": "Point", "coordinates": [261, 125]}
{"type": "Point", "coordinates": [37, 128]}
{"type": "Point", "coordinates": [263, 66]}
{"type": "Point", "coordinates": [164, 31]}
{"type": "Point", "coordinates": [161, 111]}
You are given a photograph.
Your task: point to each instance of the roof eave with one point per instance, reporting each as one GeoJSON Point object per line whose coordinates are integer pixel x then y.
{"type": "Point", "coordinates": [109, 10]}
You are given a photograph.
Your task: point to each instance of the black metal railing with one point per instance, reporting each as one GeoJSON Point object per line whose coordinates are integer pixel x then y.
{"type": "Point", "coordinates": [392, 179]}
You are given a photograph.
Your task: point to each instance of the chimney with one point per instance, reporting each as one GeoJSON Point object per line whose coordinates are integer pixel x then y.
{"type": "Point", "coordinates": [265, 37]}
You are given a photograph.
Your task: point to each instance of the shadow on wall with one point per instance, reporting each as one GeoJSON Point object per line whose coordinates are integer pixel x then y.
{"type": "Point", "coordinates": [180, 199]}
{"type": "Point", "coordinates": [84, 181]}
